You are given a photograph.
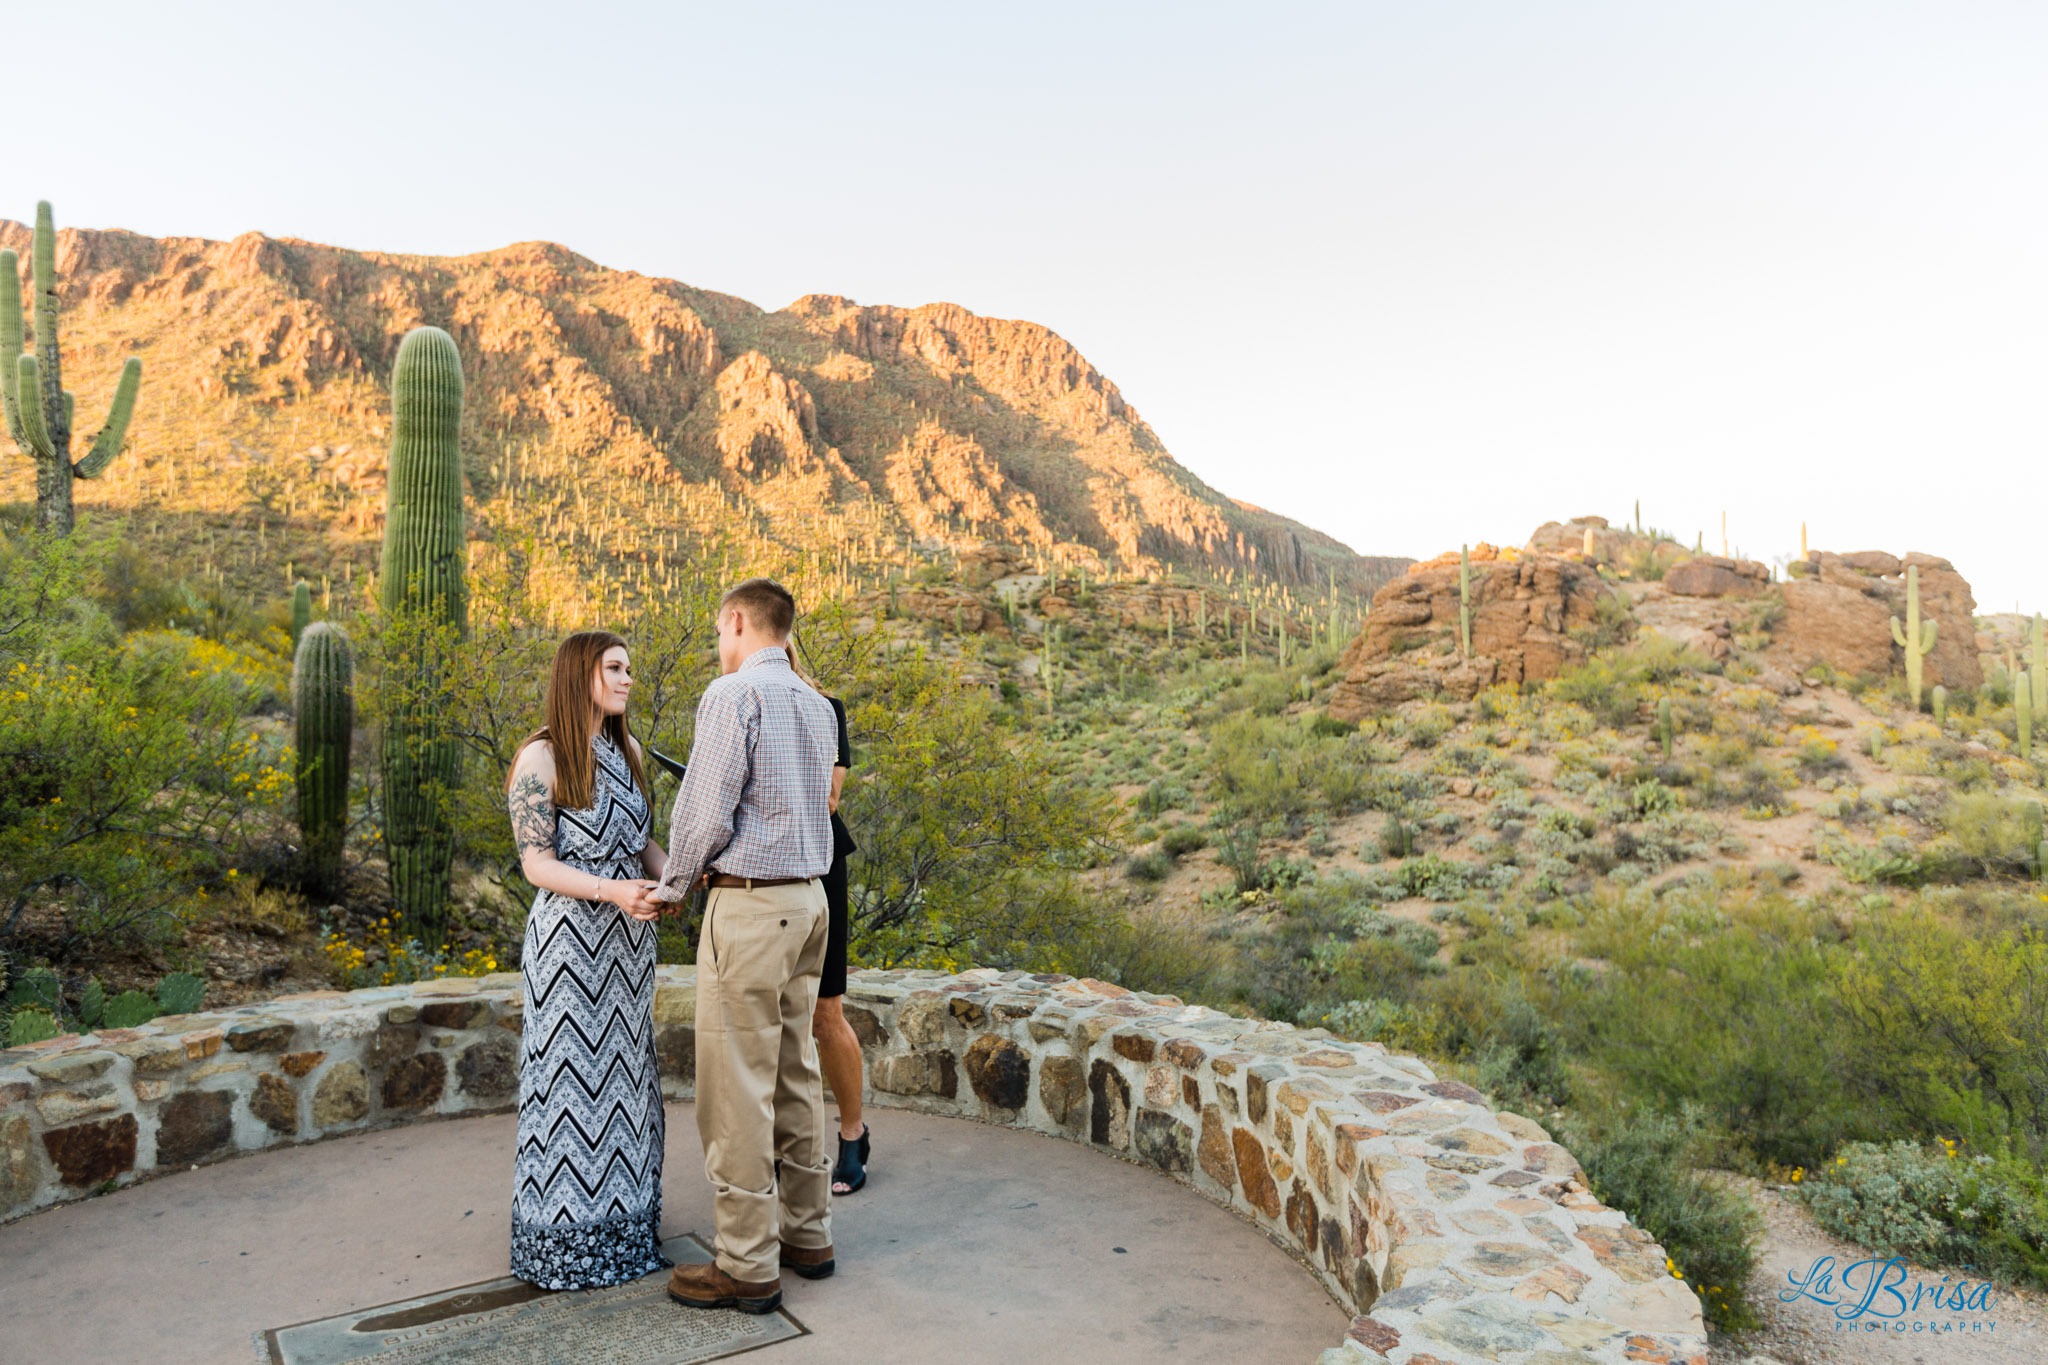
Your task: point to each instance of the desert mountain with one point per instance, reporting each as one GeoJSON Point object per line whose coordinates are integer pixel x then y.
{"type": "Point", "coordinates": [826, 423]}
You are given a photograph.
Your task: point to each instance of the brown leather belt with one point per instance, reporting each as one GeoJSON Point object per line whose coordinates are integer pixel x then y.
{"type": "Point", "coordinates": [755, 883]}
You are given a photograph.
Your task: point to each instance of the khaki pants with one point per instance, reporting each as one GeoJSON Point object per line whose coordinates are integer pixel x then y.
{"type": "Point", "coordinates": [760, 1098]}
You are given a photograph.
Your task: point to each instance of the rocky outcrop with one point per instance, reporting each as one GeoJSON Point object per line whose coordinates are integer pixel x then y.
{"type": "Point", "coordinates": [1569, 538]}
{"type": "Point", "coordinates": [1833, 624]}
{"type": "Point", "coordinates": [1528, 616]}
{"type": "Point", "coordinates": [1482, 553]}
{"type": "Point", "coordinates": [1715, 576]}
{"type": "Point", "coordinates": [945, 482]}
{"type": "Point", "coordinates": [1699, 623]}
{"type": "Point", "coordinates": [1630, 552]}
{"type": "Point", "coordinates": [1452, 1230]}
{"type": "Point", "coordinates": [1838, 612]}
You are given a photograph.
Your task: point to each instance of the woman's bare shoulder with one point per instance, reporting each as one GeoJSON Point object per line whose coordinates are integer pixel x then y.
{"type": "Point", "coordinates": [536, 759]}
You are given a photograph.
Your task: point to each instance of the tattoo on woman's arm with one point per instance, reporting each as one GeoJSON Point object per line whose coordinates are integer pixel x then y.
{"type": "Point", "coordinates": [533, 815]}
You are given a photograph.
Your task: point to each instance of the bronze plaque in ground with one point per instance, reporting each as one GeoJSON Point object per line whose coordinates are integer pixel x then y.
{"type": "Point", "coordinates": [507, 1322]}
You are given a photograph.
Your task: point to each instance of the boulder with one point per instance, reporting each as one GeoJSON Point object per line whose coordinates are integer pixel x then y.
{"type": "Point", "coordinates": [1945, 597]}
{"type": "Point", "coordinates": [1829, 623]}
{"type": "Point", "coordinates": [1874, 562]}
{"type": "Point", "coordinates": [1823, 624]}
{"type": "Point", "coordinates": [1569, 537]}
{"type": "Point", "coordinates": [1524, 613]}
{"type": "Point", "coordinates": [1714, 576]}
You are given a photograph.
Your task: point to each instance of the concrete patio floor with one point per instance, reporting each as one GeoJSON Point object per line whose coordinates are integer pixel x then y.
{"type": "Point", "coordinates": [970, 1242]}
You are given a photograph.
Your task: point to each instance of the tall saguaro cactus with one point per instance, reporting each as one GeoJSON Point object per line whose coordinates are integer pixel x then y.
{"type": "Point", "coordinates": [38, 406]}
{"type": "Point", "coordinates": [1916, 637]}
{"type": "Point", "coordinates": [2037, 666]}
{"type": "Point", "coordinates": [1465, 598]}
{"type": "Point", "coordinates": [323, 720]}
{"type": "Point", "coordinates": [2023, 714]}
{"type": "Point", "coordinates": [426, 603]}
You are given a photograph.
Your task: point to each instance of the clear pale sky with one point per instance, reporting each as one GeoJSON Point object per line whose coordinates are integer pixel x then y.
{"type": "Point", "coordinates": [1414, 273]}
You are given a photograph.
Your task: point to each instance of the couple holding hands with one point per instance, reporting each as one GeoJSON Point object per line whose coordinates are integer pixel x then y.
{"type": "Point", "coordinates": [757, 822]}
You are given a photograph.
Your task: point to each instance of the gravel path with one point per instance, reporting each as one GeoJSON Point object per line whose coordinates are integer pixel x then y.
{"type": "Point", "coordinates": [1803, 1332]}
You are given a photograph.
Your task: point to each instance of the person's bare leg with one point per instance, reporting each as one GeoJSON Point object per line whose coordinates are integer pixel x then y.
{"type": "Point", "coordinates": [839, 1055]}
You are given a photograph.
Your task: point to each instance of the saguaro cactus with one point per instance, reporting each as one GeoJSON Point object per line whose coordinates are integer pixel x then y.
{"type": "Point", "coordinates": [1665, 729]}
{"type": "Point", "coordinates": [426, 601]}
{"type": "Point", "coordinates": [1940, 699]}
{"type": "Point", "coordinates": [2023, 713]}
{"type": "Point", "coordinates": [323, 719]}
{"type": "Point", "coordinates": [2037, 666]}
{"type": "Point", "coordinates": [38, 407]}
{"type": "Point", "coordinates": [302, 610]}
{"type": "Point", "coordinates": [1916, 637]}
{"type": "Point", "coordinates": [1465, 599]}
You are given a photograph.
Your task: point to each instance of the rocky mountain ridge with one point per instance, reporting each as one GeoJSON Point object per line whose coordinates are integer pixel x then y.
{"type": "Point", "coordinates": [926, 425]}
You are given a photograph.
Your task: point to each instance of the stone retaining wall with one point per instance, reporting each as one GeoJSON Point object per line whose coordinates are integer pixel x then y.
{"type": "Point", "coordinates": [1456, 1233]}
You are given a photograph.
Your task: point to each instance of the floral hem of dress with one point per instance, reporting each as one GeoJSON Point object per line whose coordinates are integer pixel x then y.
{"type": "Point", "coordinates": [591, 1255]}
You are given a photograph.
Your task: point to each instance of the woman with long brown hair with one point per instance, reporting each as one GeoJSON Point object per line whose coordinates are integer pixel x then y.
{"type": "Point", "coordinates": [586, 1195]}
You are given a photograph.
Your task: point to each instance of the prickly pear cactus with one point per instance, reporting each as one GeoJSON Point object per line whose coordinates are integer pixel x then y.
{"type": "Point", "coordinates": [30, 1025]}
{"type": "Point", "coordinates": [130, 1009]}
{"type": "Point", "coordinates": [180, 993]}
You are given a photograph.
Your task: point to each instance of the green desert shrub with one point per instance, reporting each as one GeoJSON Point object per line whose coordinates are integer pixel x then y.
{"type": "Point", "coordinates": [1162, 795]}
{"type": "Point", "coordinates": [1648, 1163]}
{"type": "Point", "coordinates": [1399, 1025]}
{"type": "Point", "coordinates": [1181, 840]}
{"type": "Point", "coordinates": [1934, 1205]}
{"type": "Point", "coordinates": [1737, 1013]}
{"type": "Point", "coordinates": [1991, 830]}
{"type": "Point", "coordinates": [1149, 867]}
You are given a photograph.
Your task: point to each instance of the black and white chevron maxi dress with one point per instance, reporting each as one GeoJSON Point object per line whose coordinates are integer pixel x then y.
{"type": "Point", "coordinates": [587, 1178]}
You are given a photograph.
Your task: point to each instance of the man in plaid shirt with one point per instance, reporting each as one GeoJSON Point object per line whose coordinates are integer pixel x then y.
{"type": "Point", "coordinates": [753, 819]}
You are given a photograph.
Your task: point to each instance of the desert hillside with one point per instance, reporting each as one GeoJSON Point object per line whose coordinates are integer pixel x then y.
{"type": "Point", "coordinates": [640, 409]}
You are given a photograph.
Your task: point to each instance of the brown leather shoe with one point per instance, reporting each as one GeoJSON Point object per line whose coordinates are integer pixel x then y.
{"type": "Point", "coordinates": [706, 1286]}
{"type": "Point", "coordinates": [811, 1263]}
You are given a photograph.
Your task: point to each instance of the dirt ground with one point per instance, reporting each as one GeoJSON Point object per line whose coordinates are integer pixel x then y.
{"type": "Point", "coordinates": [1803, 1331]}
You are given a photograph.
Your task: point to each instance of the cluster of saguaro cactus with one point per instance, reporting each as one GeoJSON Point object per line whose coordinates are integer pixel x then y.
{"type": "Point", "coordinates": [38, 406]}
{"type": "Point", "coordinates": [1465, 599]}
{"type": "Point", "coordinates": [323, 718]}
{"type": "Point", "coordinates": [1915, 637]}
{"type": "Point", "coordinates": [423, 581]}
